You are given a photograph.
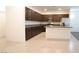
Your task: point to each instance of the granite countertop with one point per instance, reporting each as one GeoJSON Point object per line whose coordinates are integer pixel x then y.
{"type": "Point", "coordinates": [50, 26]}
{"type": "Point", "coordinates": [36, 25]}
{"type": "Point", "coordinates": [46, 25]}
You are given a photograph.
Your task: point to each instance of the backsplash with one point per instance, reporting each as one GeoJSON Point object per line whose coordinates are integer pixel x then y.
{"type": "Point", "coordinates": [34, 22]}
{"type": "Point", "coordinates": [67, 22]}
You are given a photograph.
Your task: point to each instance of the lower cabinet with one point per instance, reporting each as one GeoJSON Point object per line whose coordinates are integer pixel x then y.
{"type": "Point", "coordinates": [33, 31]}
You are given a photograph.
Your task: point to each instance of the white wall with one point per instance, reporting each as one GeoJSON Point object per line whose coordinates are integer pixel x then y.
{"type": "Point", "coordinates": [2, 23]}
{"type": "Point", "coordinates": [74, 19]}
{"type": "Point", "coordinates": [66, 21]}
{"type": "Point", "coordinates": [15, 16]}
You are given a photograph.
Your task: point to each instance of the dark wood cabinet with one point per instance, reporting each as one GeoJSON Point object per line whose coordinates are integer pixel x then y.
{"type": "Point", "coordinates": [55, 17]}
{"type": "Point", "coordinates": [45, 17]}
{"type": "Point", "coordinates": [29, 14]}
{"type": "Point", "coordinates": [26, 13]}
{"type": "Point", "coordinates": [66, 15]}
{"type": "Point", "coordinates": [32, 15]}
{"type": "Point", "coordinates": [33, 31]}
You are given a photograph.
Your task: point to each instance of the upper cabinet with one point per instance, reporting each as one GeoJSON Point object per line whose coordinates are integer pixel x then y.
{"type": "Point", "coordinates": [32, 15]}
{"type": "Point", "coordinates": [45, 17]}
{"type": "Point", "coordinates": [55, 17]}
{"type": "Point", "coordinates": [26, 13]}
{"type": "Point", "coordinates": [66, 15]}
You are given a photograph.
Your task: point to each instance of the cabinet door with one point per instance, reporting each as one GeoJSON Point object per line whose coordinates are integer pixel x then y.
{"type": "Point", "coordinates": [56, 18]}
{"type": "Point", "coordinates": [32, 15]}
{"type": "Point", "coordinates": [26, 13]}
{"type": "Point", "coordinates": [45, 17]}
{"type": "Point", "coordinates": [65, 15]}
{"type": "Point", "coordinates": [28, 33]}
{"type": "Point", "coordinates": [29, 14]}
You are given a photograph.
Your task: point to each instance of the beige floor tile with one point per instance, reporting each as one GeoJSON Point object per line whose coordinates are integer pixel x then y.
{"type": "Point", "coordinates": [39, 44]}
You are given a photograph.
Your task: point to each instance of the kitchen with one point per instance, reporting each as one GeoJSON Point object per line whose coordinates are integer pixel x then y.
{"type": "Point", "coordinates": [47, 19]}
{"type": "Point", "coordinates": [42, 33]}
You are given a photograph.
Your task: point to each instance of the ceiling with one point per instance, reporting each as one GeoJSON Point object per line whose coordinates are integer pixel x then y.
{"type": "Point", "coordinates": [51, 9]}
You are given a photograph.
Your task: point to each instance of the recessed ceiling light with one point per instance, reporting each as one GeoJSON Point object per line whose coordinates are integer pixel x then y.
{"type": "Point", "coordinates": [45, 9]}
{"type": "Point", "coordinates": [59, 9]}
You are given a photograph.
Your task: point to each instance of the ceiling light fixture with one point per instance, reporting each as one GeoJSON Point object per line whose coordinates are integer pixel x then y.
{"type": "Point", "coordinates": [59, 9]}
{"type": "Point", "coordinates": [45, 9]}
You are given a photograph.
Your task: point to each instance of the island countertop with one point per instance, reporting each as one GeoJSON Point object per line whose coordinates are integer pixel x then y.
{"type": "Point", "coordinates": [37, 25]}
{"type": "Point", "coordinates": [50, 26]}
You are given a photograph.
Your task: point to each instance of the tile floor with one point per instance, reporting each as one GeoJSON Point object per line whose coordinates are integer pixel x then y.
{"type": "Point", "coordinates": [76, 35]}
{"type": "Point", "coordinates": [39, 44]}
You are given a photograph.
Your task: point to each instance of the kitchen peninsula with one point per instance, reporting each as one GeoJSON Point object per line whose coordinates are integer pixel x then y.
{"type": "Point", "coordinates": [58, 32]}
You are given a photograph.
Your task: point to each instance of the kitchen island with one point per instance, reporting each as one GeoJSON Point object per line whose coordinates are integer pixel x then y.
{"type": "Point", "coordinates": [58, 32]}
